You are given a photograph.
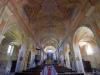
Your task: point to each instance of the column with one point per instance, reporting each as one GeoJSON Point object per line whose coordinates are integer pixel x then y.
{"type": "Point", "coordinates": [20, 58]}
{"type": "Point", "coordinates": [8, 66]}
{"type": "Point", "coordinates": [32, 62]}
{"type": "Point", "coordinates": [72, 56]}
{"type": "Point", "coordinates": [78, 59]}
{"type": "Point", "coordinates": [42, 56]}
{"type": "Point", "coordinates": [67, 60]}
{"type": "Point", "coordinates": [77, 63]}
{"type": "Point", "coordinates": [25, 60]}
{"type": "Point", "coordinates": [9, 61]}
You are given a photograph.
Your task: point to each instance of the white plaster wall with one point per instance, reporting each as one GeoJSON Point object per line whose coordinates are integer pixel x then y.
{"type": "Point", "coordinates": [94, 59]}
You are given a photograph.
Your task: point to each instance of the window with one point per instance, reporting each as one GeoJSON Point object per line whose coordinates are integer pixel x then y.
{"type": "Point", "coordinates": [10, 49]}
{"type": "Point", "coordinates": [89, 49]}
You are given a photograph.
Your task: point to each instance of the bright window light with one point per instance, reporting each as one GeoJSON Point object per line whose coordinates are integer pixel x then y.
{"type": "Point", "coordinates": [89, 50]}
{"type": "Point", "coordinates": [10, 49]}
{"type": "Point", "coordinates": [49, 49]}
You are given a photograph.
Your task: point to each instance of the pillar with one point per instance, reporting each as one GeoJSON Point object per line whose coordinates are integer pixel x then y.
{"type": "Point", "coordinates": [42, 56]}
{"type": "Point", "coordinates": [78, 59]}
{"type": "Point", "coordinates": [8, 66]}
{"type": "Point", "coordinates": [25, 60]}
{"type": "Point", "coordinates": [77, 63]}
{"type": "Point", "coordinates": [20, 58]}
{"type": "Point", "coordinates": [32, 62]}
{"type": "Point", "coordinates": [67, 59]}
{"type": "Point", "coordinates": [72, 56]}
{"type": "Point", "coordinates": [9, 61]}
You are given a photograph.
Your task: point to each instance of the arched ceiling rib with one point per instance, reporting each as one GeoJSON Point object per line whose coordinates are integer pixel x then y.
{"type": "Point", "coordinates": [55, 17]}
{"type": "Point", "coordinates": [84, 34]}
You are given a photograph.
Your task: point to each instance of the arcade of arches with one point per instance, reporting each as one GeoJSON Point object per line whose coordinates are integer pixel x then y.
{"type": "Point", "coordinates": [63, 35]}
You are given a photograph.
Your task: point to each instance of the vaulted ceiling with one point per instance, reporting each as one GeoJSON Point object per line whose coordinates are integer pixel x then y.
{"type": "Point", "coordinates": [44, 20]}
{"type": "Point", "coordinates": [47, 22]}
{"type": "Point", "coordinates": [43, 17]}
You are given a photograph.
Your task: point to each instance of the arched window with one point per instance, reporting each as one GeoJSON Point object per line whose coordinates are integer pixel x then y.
{"type": "Point", "coordinates": [49, 49]}
{"type": "Point", "coordinates": [10, 49]}
{"type": "Point", "coordinates": [84, 40]}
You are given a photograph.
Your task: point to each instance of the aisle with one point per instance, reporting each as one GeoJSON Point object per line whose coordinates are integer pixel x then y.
{"type": "Point", "coordinates": [48, 70]}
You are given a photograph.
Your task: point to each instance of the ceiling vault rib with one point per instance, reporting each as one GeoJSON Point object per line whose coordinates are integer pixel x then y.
{"type": "Point", "coordinates": [54, 17]}
{"type": "Point", "coordinates": [3, 8]}
{"type": "Point", "coordinates": [19, 18]}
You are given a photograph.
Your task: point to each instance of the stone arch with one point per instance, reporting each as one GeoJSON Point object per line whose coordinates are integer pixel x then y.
{"type": "Point", "coordinates": [49, 39]}
{"type": "Point", "coordinates": [82, 35]}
